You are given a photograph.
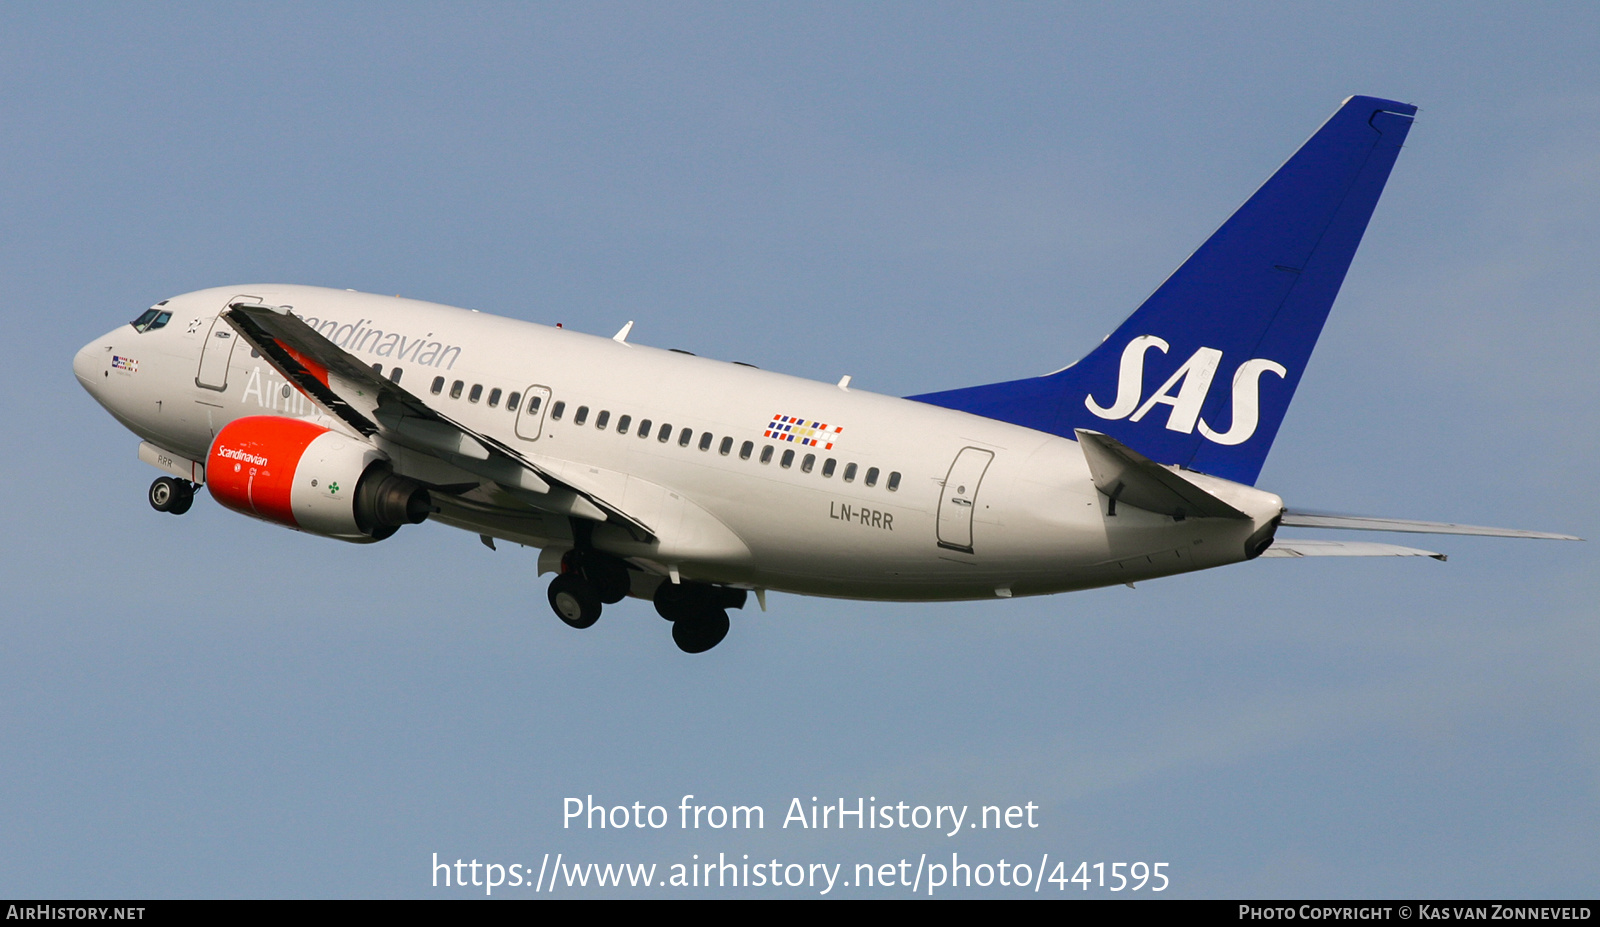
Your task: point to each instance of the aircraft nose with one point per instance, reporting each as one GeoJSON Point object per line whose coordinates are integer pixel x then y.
{"type": "Point", "coordinates": [90, 366]}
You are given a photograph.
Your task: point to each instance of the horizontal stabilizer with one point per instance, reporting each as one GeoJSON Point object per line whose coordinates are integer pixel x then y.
{"type": "Point", "coordinates": [1364, 523]}
{"type": "Point", "coordinates": [1297, 547]}
{"type": "Point", "coordinates": [1133, 479]}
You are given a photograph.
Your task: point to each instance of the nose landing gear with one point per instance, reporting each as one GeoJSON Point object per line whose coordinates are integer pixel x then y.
{"type": "Point", "coordinates": [171, 495]}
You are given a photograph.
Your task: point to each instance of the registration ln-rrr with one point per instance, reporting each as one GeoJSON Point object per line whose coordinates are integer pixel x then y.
{"type": "Point", "coordinates": [692, 482]}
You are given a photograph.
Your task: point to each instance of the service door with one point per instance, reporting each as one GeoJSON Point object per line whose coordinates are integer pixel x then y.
{"type": "Point", "coordinates": [959, 496]}
{"type": "Point", "coordinates": [530, 418]}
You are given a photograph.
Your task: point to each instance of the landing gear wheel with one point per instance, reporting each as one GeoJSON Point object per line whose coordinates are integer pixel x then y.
{"type": "Point", "coordinates": [609, 577]}
{"type": "Point", "coordinates": [170, 495]}
{"type": "Point", "coordinates": [675, 601]}
{"type": "Point", "coordinates": [574, 600]}
{"type": "Point", "coordinates": [700, 632]}
{"type": "Point", "coordinates": [184, 499]}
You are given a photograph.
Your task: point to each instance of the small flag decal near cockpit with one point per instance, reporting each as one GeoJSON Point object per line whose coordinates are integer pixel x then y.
{"type": "Point", "coordinates": [799, 431]}
{"type": "Point", "coordinates": [124, 363]}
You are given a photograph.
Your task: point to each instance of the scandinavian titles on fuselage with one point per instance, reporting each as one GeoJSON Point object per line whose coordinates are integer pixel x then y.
{"type": "Point", "coordinates": [362, 337]}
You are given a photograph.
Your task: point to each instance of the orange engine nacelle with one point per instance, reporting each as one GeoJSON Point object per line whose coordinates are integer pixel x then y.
{"type": "Point", "coordinates": [291, 472]}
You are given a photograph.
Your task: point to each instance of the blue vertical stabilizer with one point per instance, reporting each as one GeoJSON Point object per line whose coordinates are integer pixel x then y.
{"type": "Point", "coordinates": [1202, 373]}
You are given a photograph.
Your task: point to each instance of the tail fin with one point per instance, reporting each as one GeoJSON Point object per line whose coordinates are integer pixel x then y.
{"type": "Point", "coordinates": [1248, 306]}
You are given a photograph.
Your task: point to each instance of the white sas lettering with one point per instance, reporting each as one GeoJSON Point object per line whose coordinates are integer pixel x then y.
{"type": "Point", "coordinates": [1130, 378]}
{"type": "Point", "coordinates": [1196, 373]}
{"type": "Point", "coordinates": [1246, 401]}
{"type": "Point", "coordinates": [1192, 382]}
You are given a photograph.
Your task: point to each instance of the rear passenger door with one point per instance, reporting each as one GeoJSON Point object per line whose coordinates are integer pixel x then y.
{"type": "Point", "coordinates": [959, 496]}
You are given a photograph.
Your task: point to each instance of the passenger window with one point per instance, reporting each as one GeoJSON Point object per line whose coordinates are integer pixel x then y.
{"type": "Point", "coordinates": [494, 398]}
{"type": "Point", "coordinates": [725, 447]}
{"type": "Point", "coordinates": [705, 441]}
{"type": "Point", "coordinates": [254, 353]}
{"type": "Point", "coordinates": [455, 389]}
{"type": "Point", "coordinates": [872, 476]}
{"type": "Point", "coordinates": [644, 428]}
{"type": "Point", "coordinates": [665, 434]}
{"type": "Point", "coordinates": [623, 424]}
{"type": "Point", "coordinates": [533, 404]}
{"type": "Point", "coordinates": [394, 375]}
{"type": "Point", "coordinates": [849, 473]}
{"type": "Point", "coordinates": [685, 436]}
{"type": "Point", "coordinates": [581, 416]}
{"type": "Point", "coordinates": [827, 467]}
{"type": "Point", "coordinates": [512, 400]}
{"type": "Point", "coordinates": [555, 410]}
{"type": "Point", "coordinates": [603, 419]}
{"type": "Point", "coordinates": [438, 386]}
{"type": "Point", "coordinates": [476, 394]}
{"type": "Point", "coordinates": [766, 454]}
{"type": "Point", "coordinates": [788, 459]}
{"type": "Point", "coordinates": [745, 450]}
{"type": "Point", "coordinates": [377, 369]}
{"type": "Point", "coordinates": [894, 481]}
{"type": "Point", "coordinates": [808, 463]}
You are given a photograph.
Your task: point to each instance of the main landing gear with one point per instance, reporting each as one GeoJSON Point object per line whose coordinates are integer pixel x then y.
{"type": "Point", "coordinates": [171, 495]}
{"type": "Point", "coordinates": [698, 612]}
{"type": "Point", "coordinates": [590, 580]}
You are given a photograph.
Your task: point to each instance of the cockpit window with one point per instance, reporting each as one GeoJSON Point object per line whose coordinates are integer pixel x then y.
{"type": "Point", "coordinates": [150, 320]}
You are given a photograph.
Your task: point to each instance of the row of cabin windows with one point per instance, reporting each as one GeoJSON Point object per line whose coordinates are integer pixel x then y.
{"type": "Point", "coordinates": [685, 436]}
{"type": "Point", "coordinates": [663, 434]}
{"type": "Point", "coordinates": [473, 395]}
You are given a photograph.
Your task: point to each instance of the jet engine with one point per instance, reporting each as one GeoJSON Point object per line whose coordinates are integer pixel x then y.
{"type": "Point", "coordinates": [292, 472]}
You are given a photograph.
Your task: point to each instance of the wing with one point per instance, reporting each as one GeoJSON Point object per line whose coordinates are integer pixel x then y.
{"type": "Point", "coordinates": [351, 391]}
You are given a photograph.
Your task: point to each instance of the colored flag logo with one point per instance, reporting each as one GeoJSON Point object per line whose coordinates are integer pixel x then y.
{"type": "Point", "coordinates": [124, 363]}
{"type": "Point", "coordinates": [796, 430]}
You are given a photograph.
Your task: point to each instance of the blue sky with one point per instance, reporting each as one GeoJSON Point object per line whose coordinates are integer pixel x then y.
{"type": "Point", "coordinates": [921, 196]}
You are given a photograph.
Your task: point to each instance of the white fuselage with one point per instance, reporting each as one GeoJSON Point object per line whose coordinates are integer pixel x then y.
{"type": "Point", "coordinates": [1031, 521]}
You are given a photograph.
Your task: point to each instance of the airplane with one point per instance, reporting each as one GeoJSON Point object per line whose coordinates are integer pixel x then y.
{"type": "Point", "coordinates": [692, 482]}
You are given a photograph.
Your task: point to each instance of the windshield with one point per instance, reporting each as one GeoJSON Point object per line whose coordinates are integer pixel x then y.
{"type": "Point", "coordinates": [150, 320]}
